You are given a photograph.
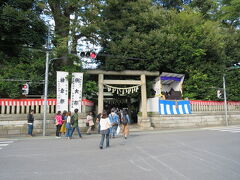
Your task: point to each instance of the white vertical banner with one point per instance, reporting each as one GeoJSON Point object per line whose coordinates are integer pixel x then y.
{"type": "Point", "coordinates": [62, 91]}
{"type": "Point", "coordinates": [76, 92]}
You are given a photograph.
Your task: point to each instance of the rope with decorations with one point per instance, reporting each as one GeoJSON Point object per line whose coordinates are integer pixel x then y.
{"type": "Point", "coordinates": [122, 91]}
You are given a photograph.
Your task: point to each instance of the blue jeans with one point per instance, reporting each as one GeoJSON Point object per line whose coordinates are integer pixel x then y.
{"type": "Point", "coordinates": [102, 140]}
{"type": "Point", "coordinates": [113, 130]}
{"type": "Point", "coordinates": [98, 128]}
{"type": "Point", "coordinates": [78, 130]}
{"type": "Point", "coordinates": [69, 132]}
{"type": "Point", "coordinates": [30, 129]}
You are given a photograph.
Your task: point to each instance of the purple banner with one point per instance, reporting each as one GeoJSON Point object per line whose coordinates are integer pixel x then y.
{"type": "Point", "coordinates": [170, 78]}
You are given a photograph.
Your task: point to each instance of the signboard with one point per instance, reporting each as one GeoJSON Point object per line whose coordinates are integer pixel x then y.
{"type": "Point", "coordinates": [62, 91]}
{"type": "Point", "coordinates": [76, 92]}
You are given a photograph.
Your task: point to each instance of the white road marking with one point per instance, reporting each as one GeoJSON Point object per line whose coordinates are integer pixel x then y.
{"type": "Point", "coordinates": [3, 144]}
{"type": "Point", "coordinates": [139, 166]}
{"type": "Point", "coordinates": [233, 129]}
{"type": "Point", "coordinates": [209, 164]}
{"type": "Point", "coordinates": [149, 155]}
{"type": "Point", "coordinates": [209, 152]}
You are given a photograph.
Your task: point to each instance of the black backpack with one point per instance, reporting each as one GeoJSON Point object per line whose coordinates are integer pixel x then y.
{"type": "Point", "coordinates": [124, 120]}
{"type": "Point", "coordinates": [72, 120]}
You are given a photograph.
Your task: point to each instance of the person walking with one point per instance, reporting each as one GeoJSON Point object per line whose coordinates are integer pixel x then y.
{"type": "Point", "coordinates": [30, 119]}
{"type": "Point", "coordinates": [98, 121]}
{"type": "Point", "coordinates": [68, 125]}
{"type": "Point", "coordinates": [89, 122]}
{"type": "Point", "coordinates": [114, 119]}
{"type": "Point", "coordinates": [105, 125]}
{"type": "Point", "coordinates": [125, 121]}
{"type": "Point", "coordinates": [75, 124]}
{"type": "Point", "coordinates": [58, 119]}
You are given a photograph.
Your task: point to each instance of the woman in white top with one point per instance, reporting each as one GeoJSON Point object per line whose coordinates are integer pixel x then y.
{"type": "Point", "coordinates": [104, 129]}
{"type": "Point", "coordinates": [68, 125]}
{"type": "Point", "coordinates": [89, 122]}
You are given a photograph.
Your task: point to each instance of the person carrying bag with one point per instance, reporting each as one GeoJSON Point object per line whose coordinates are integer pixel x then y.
{"type": "Point", "coordinates": [89, 122]}
{"type": "Point", "coordinates": [105, 125]}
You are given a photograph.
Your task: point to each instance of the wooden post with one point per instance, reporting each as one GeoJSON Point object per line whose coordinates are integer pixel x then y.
{"type": "Point", "coordinates": [100, 93]}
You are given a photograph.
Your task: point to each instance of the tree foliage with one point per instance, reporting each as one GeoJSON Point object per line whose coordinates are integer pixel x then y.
{"type": "Point", "coordinates": [20, 25]}
{"type": "Point", "coordinates": [198, 38]}
{"type": "Point", "coordinates": [157, 39]}
{"type": "Point", "coordinates": [230, 12]}
{"type": "Point", "coordinates": [22, 34]}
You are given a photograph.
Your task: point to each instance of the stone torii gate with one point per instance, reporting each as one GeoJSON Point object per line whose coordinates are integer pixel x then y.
{"type": "Point", "coordinates": [141, 82]}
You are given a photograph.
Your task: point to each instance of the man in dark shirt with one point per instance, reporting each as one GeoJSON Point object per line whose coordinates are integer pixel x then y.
{"type": "Point", "coordinates": [30, 119]}
{"type": "Point", "coordinates": [75, 124]}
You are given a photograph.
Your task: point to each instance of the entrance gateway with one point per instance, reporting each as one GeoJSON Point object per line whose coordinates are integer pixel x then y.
{"type": "Point", "coordinates": [145, 122]}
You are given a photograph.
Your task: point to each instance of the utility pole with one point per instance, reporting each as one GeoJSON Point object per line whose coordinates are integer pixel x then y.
{"type": "Point", "coordinates": [225, 99]}
{"type": "Point", "coordinates": [46, 83]}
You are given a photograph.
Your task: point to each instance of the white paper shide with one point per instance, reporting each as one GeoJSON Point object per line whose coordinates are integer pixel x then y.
{"type": "Point", "coordinates": [62, 91]}
{"type": "Point", "coordinates": [76, 92]}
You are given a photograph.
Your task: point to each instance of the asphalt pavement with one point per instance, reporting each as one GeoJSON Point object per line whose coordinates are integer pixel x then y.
{"type": "Point", "coordinates": [208, 153]}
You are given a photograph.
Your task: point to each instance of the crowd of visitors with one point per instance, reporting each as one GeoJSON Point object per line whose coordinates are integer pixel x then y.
{"type": "Point", "coordinates": [108, 125]}
{"type": "Point", "coordinates": [66, 124]}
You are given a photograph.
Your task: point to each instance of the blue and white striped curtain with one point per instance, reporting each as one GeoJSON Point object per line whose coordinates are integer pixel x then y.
{"type": "Point", "coordinates": [174, 107]}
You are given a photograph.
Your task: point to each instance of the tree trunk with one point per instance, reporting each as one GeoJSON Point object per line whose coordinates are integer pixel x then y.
{"type": "Point", "coordinates": [61, 14]}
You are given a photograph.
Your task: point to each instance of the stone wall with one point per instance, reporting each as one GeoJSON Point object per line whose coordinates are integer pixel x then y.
{"type": "Point", "coordinates": [193, 120]}
{"type": "Point", "coordinates": [16, 124]}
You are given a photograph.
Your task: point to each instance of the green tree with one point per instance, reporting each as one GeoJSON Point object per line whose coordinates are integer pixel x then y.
{"type": "Point", "coordinates": [230, 12]}
{"type": "Point", "coordinates": [208, 8]}
{"type": "Point", "coordinates": [22, 35]}
{"type": "Point", "coordinates": [29, 65]}
{"type": "Point", "coordinates": [20, 25]}
{"type": "Point", "coordinates": [162, 40]}
{"type": "Point", "coordinates": [74, 20]}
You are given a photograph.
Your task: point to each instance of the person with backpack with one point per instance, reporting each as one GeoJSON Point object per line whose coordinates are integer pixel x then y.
{"type": "Point", "coordinates": [114, 119]}
{"type": "Point", "coordinates": [68, 125]}
{"type": "Point", "coordinates": [125, 121]}
{"type": "Point", "coordinates": [74, 121]}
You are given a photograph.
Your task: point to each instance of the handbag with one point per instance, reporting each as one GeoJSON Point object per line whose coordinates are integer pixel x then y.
{"type": "Point", "coordinates": [91, 123]}
{"type": "Point", "coordinates": [87, 124]}
{"type": "Point", "coordinates": [114, 124]}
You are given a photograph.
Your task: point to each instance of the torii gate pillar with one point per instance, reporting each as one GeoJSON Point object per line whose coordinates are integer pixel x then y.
{"type": "Point", "coordinates": [144, 120]}
{"type": "Point", "coordinates": [144, 96]}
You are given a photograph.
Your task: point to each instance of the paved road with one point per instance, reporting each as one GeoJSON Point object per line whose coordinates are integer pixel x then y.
{"type": "Point", "coordinates": [208, 153]}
